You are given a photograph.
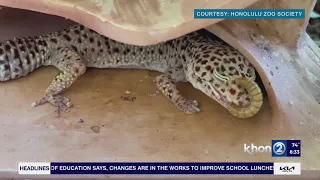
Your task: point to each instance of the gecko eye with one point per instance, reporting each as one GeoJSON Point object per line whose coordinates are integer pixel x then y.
{"type": "Point", "coordinates": [220, 76]}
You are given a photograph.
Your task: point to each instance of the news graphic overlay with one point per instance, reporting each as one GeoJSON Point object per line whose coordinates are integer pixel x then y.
{"type": "Point", "coordinates": [69, 168]}
{"type": "Point", "coordinates": [145, 168]}
{"type": "Point", "coordinates": [249, 13]}
{"type": "Point", "coordinates": [286, 148]}
{"type": "Point", "coordinates": [287, 168]}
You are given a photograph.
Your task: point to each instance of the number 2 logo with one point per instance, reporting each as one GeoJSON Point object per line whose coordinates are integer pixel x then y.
{"type": "Point", "coordinates": [279, 148]}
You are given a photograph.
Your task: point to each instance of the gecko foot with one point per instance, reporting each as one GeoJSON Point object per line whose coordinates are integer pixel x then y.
{"type": "Point", "coordinates": [58, 101]}
{"type": "Point", "coordinates": [188, 106]}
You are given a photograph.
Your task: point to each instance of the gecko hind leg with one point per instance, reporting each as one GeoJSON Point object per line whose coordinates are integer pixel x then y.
{"type": "Point", "coordinates": [71, 66]}
{"type": "Point", "coordinates": [166, 85]}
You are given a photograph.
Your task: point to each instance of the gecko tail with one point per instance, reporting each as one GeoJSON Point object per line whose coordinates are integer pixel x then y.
{"type": "Point", "coordinates": [19, 57]}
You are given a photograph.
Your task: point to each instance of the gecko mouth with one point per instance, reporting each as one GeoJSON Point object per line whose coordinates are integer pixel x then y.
{"type": "Point", "coordinates": [242, 111]}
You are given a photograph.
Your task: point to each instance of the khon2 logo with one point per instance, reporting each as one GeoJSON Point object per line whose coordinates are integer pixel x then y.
{"type": "Point", "coordinates": [279, 148]}
{"type": "Point", "coordinates": [286, 148]}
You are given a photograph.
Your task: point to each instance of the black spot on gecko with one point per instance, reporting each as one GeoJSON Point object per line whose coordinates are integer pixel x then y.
{"type": "Point", "coordinates": [197, 68]}
{"type": "Point", "coordinates": [27, 59]}
{"type": "Point", "coordinates": [241, 66]}
{"type": "Point", "coordinates": [204, 62]}
{"type": "Point", "coordinates": [19, 41]}
{"type": "Point", "coordinates": [36, 49]}
{"type": "Point", "coordinates": [32, 53]}
{"type": "Point", "coordinates": [65, 36]}
{"type": "Point", "coordinates": [77, 31]}
{"type": "Point", "coordinates": [116, 50]}
{"type": "Point", "coordinates": [12, 43]}
{"type": "Point", "coordinates": [91, 40]}
{"type": "Point", "coordinates": [53, 40]}
{"type": "Point", "coordinates": [219, 53]}
{"type": "Point", "coordinates": [16, 54]}
{"type": "Point", "coordinates": [199, 80]}
{"type": "Point", "coordinates": [6, 67]}
{"type": "Point", "coordinates": [223, 68]}
{"type": "Point", "coordinates": [233, 60]}
{"type": "Point", "coordinates": [232, 91]}
{"type": "Point", "coordinates": [184, 58]}
{"type": "Point", "coordinates": [7, 47]}
{"type": "Point", "coordinates": [225, 60]}
{"type": "Point", "coordinates": [74, 48]}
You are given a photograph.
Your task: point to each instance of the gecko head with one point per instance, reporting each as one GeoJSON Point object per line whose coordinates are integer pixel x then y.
{"type": "Point", "coordinates": [230, 80]}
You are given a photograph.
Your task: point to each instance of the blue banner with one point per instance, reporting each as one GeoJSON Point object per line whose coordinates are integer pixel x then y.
{"type": "Point", "coordinates": [161, 168]}
{"type": "Point", "coordinates": [249, 13]}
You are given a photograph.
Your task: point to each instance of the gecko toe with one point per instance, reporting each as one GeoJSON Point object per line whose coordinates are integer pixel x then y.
{"type": "Point", "coordinates": [58, 101]}
{"type": "Point", "coordinates": [189, 106]}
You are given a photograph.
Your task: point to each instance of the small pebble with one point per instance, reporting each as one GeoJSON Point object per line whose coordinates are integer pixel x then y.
{"type": "Point", "coordinates": [81, 121]}
{"type": "Point", "coordinates": [52, 127]}
{"type": "Point", "coordinates": [127, 92]}
{"type": "Point", "coordinates": [95, 129]}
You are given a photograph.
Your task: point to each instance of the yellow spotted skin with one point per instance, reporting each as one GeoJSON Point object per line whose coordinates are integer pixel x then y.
{"type": "Point", "coordinates": [210, 65]}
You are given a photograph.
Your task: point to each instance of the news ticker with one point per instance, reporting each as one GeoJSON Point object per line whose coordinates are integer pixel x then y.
{"type": "Point", "coordinates": [249, 13]}
{"type": "Point", "coordinates": [51, 168]}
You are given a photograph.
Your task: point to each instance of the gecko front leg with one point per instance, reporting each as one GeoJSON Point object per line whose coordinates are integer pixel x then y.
{"type": "Point", "coordinates": [166, 85]}
{"type": "Point", "coordinates": [71, 66]}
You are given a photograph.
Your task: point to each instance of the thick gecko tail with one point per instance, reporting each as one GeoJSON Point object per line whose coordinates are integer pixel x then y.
{"type": "Point", "coordinates": [19, 57]}
{"type": "Point", "coordinates": [256, 100]}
